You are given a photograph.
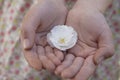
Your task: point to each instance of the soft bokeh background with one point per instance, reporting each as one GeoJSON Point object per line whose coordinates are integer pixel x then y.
{"type": "Point", "coordinates": [13, 66]}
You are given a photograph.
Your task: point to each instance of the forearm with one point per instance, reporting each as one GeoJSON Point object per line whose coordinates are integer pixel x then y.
{"type": "Point", "coordinates": [100, 5]}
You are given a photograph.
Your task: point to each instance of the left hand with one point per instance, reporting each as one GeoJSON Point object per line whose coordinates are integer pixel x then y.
{"type": "Point", "coordinates": [94, 44]}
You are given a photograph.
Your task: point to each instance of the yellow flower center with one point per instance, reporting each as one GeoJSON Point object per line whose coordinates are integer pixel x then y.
{"type": "Point", "coordinates": [62, 40]}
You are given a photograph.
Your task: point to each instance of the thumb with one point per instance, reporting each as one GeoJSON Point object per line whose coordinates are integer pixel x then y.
{"type": "Point", "coordinates": [105, 47]}
{"type": "Point", "coordinates": [27, 37]}
{"type": "Point", "coordinates": [102, 54]}
{"type": "Point", "coordinates": [28, 29]}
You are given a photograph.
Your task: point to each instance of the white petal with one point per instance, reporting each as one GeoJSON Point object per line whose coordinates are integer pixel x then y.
{"type": "Point", "coordinates": [65, 32]}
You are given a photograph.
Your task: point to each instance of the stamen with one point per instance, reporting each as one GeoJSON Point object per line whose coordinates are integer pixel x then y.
{"type": "Point", "coordinates": [62, 40]}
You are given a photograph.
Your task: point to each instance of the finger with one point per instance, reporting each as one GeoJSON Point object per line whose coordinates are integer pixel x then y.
{"type": "Point", "coordinates": [32, 58]}
{"type": "Point", "coordinates": [29, 25]}
{"type": "Point", "coordinates": [87, 69]}
{"type": "Point", "coordinates": [51, 56]}
{"type": "Point", "coordinates": [44, 60]}
{"type": "Point", "coordinates": [71, 71]}
{"type": "Point", "coordinates": [59, 54]}
{"type": "Point", "coordinates": [66, 63]}
{"type": "Point", "coordinates": [106, 47]}
{"type": "Point", "coordinates": [41, 39]}
{"type": "Point", "coordinates": [78, 51]}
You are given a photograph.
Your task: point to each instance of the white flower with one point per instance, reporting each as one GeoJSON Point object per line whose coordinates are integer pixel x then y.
{"type": "Point", "coordinates": [62, 37]}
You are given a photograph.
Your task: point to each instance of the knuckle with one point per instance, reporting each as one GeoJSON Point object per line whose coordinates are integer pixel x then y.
{"type": "Point", "coordinates": [50, 56]}
{"type": "Point", "coordinates": [56, 61]}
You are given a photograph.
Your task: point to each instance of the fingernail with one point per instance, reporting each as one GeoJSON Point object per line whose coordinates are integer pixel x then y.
{"type": "Point", "coordinates": [26, 44]}
{"type": "Point", "coordinates": [100, 60]}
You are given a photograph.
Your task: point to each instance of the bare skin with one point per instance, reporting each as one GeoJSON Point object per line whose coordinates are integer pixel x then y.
{"type": "Point", "coordinates": [94, 43]}
{"type": "Point", "coordinates": [36, 24]}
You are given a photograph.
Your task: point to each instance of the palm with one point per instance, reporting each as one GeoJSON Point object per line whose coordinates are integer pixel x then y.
{"type": "Point", "coordinates": [93, 32]}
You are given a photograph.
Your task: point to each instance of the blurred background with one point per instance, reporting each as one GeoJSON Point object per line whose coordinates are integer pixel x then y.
{"type": "Point", "coordinates": [13, 65]}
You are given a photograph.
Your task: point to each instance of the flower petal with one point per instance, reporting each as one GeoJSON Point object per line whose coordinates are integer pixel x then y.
{"type": "Point", "coordinates": [67, 33]}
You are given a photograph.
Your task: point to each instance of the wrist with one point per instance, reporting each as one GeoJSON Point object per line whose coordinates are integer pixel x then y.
{"type": "Point", "coordinates": [100, 5]}
{"type": "Point", "coordinates": [84, 7]}
{"type": "Point", "coordinates": [59, 1]}
{"type": "Point", "coordinates": [56, 1]}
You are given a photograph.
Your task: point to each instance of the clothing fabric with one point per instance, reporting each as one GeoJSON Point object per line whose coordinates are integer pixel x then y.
{"type": "Point", "coordinates": [13, 65]}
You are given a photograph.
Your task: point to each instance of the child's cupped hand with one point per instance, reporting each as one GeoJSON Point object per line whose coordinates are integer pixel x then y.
{"type": "Point", "coordinates": [36, 24]}
{"type": "Point", "coordinates": [95, 42]}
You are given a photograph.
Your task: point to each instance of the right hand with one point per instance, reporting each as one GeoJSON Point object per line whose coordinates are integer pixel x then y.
{"type": "Point", "coordinates": [36, 24]}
